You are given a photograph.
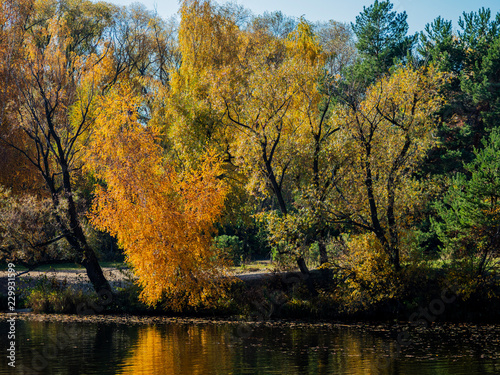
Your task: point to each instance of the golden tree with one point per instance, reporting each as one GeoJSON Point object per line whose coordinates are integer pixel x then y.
{"type": "Point", "coordinates": [17, 173]}
{"type": "Point", "coordinates": [382, 139]}
{"type": "Point", "coordinates": [53, 85]}
{"type": "Point", "coordinates": [163, 219]}
{"type": "Point", "coordinates": [262, 92]}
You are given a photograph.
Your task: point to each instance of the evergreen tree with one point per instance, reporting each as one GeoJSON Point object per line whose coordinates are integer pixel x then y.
{"type": "Point", "coordinates": [439, 45]}
{"type": "Point", "coordinates": [468, 221]}
{"type": "Point", "coordinates": [472, 56]}
{"type": "Point", "coordinates": [382, 36]}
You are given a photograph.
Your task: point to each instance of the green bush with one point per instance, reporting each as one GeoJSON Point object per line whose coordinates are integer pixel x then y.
{"type": "Point", "coordinates": [230, 247]}
{"type": "Point", "coordinates": [126, 300]}
{"type": "Point", "coordinates": [53, 296]}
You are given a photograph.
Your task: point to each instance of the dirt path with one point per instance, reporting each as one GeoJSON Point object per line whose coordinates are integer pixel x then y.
{"type": "Point", "coordinates": [77, 279]}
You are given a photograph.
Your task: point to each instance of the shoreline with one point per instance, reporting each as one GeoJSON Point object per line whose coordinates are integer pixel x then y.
{"type": "Point", "coordinates": [432, 307]}
{"type": "Point", "coordinates": [233, 320]}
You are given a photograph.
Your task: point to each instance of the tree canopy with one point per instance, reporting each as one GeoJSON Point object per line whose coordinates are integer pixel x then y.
{"type": "Point", "coordinates": [222, 135]}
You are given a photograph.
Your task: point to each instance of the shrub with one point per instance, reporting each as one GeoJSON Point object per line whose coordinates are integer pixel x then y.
{"type": "Point", "coordinates": [53, 296]}
{"type": "Point", "coordinates": [468, 282]}
{"type": "Point", "coordinates": [370, 278]}
{"type": "Point", "coordinates": [231, 247]}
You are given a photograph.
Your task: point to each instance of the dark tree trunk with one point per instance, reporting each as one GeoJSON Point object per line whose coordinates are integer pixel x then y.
{"type": "Point", "coordinates": [302, 266]}
{"type": "Point", "coordinates": [323, 256]}
{"type": "Point", "coordinates": [391, 198]}
{"type": "Point", "coordinates": [94, 272]}
{"type": "Point", "coordinates": [391, 250]}
{"type": "Point", "coordinates": [306, 276]}
{"type": "Point", "coordinates": [86, 257]}
{"type": "Point", "coordinates": [274, 184]}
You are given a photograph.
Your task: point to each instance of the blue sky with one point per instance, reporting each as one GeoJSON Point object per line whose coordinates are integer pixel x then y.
{"type": "Point", "coordinates": [420, 12]}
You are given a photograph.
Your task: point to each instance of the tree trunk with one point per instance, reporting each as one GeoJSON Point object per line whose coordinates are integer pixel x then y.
{"type": "Point", "coordinates": [378, 230]}
{"type": "Point", "coordinates": [391, 198]}
{"type": "Point", "coordinates": [276, 187]}
{"type": "Point", "coordinates": [323, 256]}
{"type": "Point", "coordinates": [94, 272]}
{"type": "Point", "coordinates": [87, 255]}
{"type": "Point", "coordinates": [302, 266]}
{"type": "Point", "coordinates": [306, 276]}
{"type": "Point", "coordinates": [395, 259]}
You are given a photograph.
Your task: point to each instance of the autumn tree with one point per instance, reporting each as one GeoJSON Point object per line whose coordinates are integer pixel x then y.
{"type": "Point", "coordinates": [17, 174]}
{"type": "Point", "coordinates": [237, 90]}
{"type": "Point", "coordinates": [55, 85]}
{"type": "Point", "coordinates": [162, 217]}
{"type": "Point", "coordinates": [262, 90]}
{"type": "Point", "coordinates": [264, 130]}
{"type": "Point", "coordinates": [338, 45]}
{"type": "Point", "coordinates": [312, 114]}
{"type": "Point", "coordinates": [207, 38]}
{"type": "Point", "coordinates": [276, 97]}
{"type": "Point", "coordinates": [382, 139]}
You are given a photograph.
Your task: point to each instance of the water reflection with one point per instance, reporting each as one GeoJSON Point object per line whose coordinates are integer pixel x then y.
{"type": "Point", "coordinates": [166, 349]}
{"type": "Point", "coordinates": [179, 349]}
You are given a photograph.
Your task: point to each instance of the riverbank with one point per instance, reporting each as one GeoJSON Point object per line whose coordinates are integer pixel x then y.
{"type": "Point", "coordinates": [118, 277]}
{"type": "Point", "coordinates": [266, 296]}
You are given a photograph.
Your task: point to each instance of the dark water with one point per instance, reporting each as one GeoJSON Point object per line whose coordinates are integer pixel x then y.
{"type": "Point", "coordinates": [173, 348]}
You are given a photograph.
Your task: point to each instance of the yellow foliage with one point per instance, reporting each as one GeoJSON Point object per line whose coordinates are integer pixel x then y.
{"type": "Point", "coordinates": [207, 39]}
{"type": "Point", "coordinates": [381, 141]}
{"type": "Point", "coordinates": [303, 43]}
{"type": "Point", "coordinates": [466, 282]}
{"type": "Point", "coordinates": [164, 220]}
{"type": "Point", "coordinates": [371, 277]}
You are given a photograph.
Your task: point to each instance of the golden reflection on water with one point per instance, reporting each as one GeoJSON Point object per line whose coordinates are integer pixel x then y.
{"type": "Point", "coordinates": [292, 349]}
{"type": "Point", "coordinates": [188, 349]}
{"type": "Point", "coordinates": [180, 349]}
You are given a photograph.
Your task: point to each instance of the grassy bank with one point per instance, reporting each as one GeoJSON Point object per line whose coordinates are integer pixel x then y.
{"type": "Point", "coordinates": [421, 295]}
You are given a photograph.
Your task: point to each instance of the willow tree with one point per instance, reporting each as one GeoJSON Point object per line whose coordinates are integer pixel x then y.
{"type": "Point", "coordinates": [162, 218]}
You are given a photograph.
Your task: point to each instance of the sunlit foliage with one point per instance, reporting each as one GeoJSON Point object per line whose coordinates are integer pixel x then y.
{"type": "Point", "coordinates": [382, 140]}
{"type": "Point", "coordinates": [164, 220]}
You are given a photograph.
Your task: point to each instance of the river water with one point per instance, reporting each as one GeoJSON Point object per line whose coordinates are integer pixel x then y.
{"type": "Point", "coordinates": [107, 347]}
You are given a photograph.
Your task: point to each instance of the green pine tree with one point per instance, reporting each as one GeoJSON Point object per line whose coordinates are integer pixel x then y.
{"type": "Point", "coordinates": [468, 217]}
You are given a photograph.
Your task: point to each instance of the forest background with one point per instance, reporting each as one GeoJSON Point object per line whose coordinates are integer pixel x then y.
{"type": "Point", "coordinates": [193, 146]}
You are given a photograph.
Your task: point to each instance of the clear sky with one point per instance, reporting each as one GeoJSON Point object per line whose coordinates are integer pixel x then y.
{"type": "Point", "coordinates": [420, 12]}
